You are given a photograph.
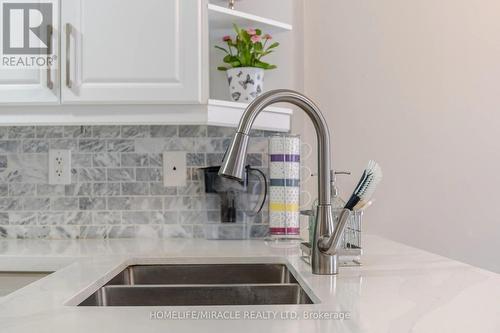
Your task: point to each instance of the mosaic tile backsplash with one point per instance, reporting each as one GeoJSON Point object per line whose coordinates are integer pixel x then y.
{"type": "Point", "coordinates": [116, 189]}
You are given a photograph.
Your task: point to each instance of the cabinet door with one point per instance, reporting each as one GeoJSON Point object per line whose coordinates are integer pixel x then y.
{"type": "Point", "coordinates": [124, 51]}
{"type": "Point", "coordinates": [27, 86]}
{"type": "Point", "coordinates": [21, 85]}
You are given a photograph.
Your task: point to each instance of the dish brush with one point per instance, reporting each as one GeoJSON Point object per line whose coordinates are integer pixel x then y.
{"type": "Point", "coordinates": [366, 186]}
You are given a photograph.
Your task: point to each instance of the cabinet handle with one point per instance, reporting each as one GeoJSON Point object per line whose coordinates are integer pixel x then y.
{"type": "Point", "coordinates": [69, 29]}
{"type": "Point", "coordinates": [50, 84]}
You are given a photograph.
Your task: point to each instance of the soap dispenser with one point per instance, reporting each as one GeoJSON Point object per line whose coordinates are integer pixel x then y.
{"type": "Point", "coordinates": [337, 201]}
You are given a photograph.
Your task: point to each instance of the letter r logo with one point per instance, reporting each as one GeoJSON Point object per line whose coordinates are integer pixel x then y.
{"type": "Point", "coordinates": [26, 27]}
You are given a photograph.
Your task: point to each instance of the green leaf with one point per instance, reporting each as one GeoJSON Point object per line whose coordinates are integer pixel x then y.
{"type": "Point", "coordinates": [230, 59]}
{"type": "Point", "coordinates": [236, 28]}
{"type": "Point", "coordinates": [243, 35]}
{"type": "Point", "coordinates": [273, 45]}
{"type": "Point", "coordinates": [262, 54]}
{"type": "Point", "coordinates": [264, 65]}
{"type": "Point", "coordinates": [222, 68]}
{"type": "Point", "coordinates": [258, 31]}
{"type": "Point", "coordinates": [221, 48]}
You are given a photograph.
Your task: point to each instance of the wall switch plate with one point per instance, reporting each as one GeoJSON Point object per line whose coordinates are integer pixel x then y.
{"type": "Point", "coordinates": [59, 166]}
{"type": "Point", "coordinates": [174, 168]}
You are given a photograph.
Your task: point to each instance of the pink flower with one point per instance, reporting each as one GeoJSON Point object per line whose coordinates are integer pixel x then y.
{"type": "Point", "coordinates": [251, 31]}
{"type": "Point", "coordinates": [268, 36]}
{"type": "Point", "coordinates": [255, 38]}
{"type": "Point", "coordinates": [226, 38]}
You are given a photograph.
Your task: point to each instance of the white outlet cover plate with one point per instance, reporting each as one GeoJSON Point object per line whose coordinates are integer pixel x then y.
{"type": "Point", "coordinates": [174, 168]}
{"type": "Point", "coordinates": [59, 166]}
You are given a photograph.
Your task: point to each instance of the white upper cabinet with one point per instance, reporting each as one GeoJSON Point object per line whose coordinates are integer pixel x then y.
{"type": "Point", "coordinates": [131, 52]}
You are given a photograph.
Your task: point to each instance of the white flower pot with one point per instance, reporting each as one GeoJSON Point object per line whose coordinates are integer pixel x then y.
{"type": "Point", "coordinates": [245, 83]}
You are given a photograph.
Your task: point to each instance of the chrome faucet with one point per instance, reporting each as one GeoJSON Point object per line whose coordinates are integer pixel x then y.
{"type": "Point", "coordinates": [327, 237]}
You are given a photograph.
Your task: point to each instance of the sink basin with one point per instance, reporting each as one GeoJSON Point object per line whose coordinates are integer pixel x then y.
{"type": "Point", "coordinates": [12, 281]}
{"type": "Point", "coordinates": [200, 284]}
{"type": "Point", "coordinates": [179, 295]}
{"type": "Point", "coordinates": [203, 274]}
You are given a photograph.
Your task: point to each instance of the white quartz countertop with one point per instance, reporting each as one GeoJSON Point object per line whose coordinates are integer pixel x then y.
{"type": "Point", "coordinates": [398, 289]}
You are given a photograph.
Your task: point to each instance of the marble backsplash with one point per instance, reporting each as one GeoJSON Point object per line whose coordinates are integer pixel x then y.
{"type": "Point", "coordinates": [116, 189]}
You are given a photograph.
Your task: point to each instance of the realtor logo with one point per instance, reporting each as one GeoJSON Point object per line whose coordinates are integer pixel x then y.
{"type": "Point", "coordinates": [26, 34]}
{"type": "Point", "coordinates": [27, 28]}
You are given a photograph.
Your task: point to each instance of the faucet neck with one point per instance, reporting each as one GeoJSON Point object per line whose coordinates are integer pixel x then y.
{"type": "Point", "coordinates": [318, 120]}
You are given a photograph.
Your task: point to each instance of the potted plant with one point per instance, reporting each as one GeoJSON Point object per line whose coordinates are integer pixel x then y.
{"type": "Point", "coordinates": [244, 65]}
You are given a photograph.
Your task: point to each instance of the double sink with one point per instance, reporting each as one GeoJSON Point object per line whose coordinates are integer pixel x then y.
{"type": "Point", "coordinates": [200, 284]}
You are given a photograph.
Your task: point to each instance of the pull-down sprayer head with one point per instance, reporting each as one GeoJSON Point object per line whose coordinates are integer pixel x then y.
{"type": "Point", "coordinates": [233, 165]}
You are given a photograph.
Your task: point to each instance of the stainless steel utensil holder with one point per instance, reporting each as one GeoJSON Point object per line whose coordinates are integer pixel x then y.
{"type": "Point", "coordinates": [350, 249]}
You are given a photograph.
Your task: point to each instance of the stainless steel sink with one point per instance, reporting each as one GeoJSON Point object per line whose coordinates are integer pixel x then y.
{"type": "Point", "coordinates": [204, 274]}
{"type": "Point", "coordinates": [200, 284]}
{"type": "Point", "coordinates": [215, 294]}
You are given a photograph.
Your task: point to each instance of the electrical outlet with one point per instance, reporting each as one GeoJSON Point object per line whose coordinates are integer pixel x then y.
{"type": "Point", "coordinates": [174, 168]}
{"type": "Point", "coordinates": [59, 166]}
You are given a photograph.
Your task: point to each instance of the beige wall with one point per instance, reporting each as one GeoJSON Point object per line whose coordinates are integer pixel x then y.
{"type": "Point", "coordinates": [416, 86]}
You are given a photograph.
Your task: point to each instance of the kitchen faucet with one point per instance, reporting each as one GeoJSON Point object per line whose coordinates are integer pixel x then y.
{"type": "Point", "coordinates": [327, 237]}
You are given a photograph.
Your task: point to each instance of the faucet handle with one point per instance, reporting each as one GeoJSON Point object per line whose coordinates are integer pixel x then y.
{"type": "Point", "coordinates": [329, 244]}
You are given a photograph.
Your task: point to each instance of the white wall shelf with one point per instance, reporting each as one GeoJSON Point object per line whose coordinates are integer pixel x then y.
{"type": "Point", "coordinates": [215, 112]}
{"type": "Point", "coordinates": [222, 18]}
{"type": "Point", "coordinates": [225, 113]}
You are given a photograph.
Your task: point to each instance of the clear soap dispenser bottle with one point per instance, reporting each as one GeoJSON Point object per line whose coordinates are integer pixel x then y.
{"type": "Point", "coordinates": [337, 201]}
